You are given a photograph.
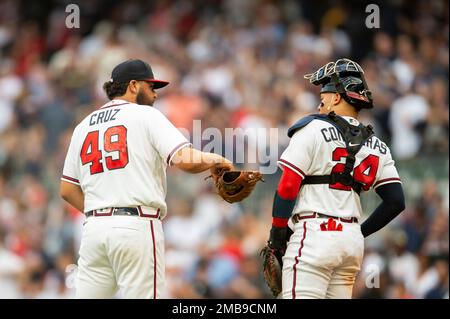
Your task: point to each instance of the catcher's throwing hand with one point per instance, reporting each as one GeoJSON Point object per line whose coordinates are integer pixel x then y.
{"type": "Point", "coordinates": [232, 185]}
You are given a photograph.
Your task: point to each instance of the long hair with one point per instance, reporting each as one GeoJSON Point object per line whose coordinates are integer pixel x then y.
{"type": "Point", "coordinates": [114, 89]}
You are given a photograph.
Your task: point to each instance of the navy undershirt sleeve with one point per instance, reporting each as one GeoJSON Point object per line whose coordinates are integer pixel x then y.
{"type": "Point", "coordinates": [282, 208]}
{"type": "Point", "coordinates": [392, 205]}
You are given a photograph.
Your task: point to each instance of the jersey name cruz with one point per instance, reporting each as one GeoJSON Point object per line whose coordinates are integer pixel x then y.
{"type": "Point", "coordinates": [331, 134]}
{"type": "Point", "coordinates": [103, 117]}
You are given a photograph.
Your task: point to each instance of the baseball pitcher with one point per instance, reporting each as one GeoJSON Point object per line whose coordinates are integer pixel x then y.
{"type": "Point", "coordinates": [115, 172]}
{"type": "Point", "coordinates": [331, 159]}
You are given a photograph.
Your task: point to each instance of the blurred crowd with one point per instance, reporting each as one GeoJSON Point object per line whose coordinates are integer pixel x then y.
{"type": "Point", "coordinates": [231, 64]}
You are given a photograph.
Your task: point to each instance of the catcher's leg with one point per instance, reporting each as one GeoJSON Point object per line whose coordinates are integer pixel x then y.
{"type": "Point", "coordinates": [95, 290]}
{"type": "Point", "coordinates": [343, 278]}
{"type": "Point", "coordinates": [340, 291]}
{"type": "Point", "coordinates": [95, 278]}
{"type": "Point", "coordinates": [138, 257]}
{"type": "Point", "coordinates": [302, 279]}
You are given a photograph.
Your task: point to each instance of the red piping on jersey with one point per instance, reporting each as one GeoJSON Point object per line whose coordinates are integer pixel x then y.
{"type": "Point", "coordinates": [286, 163]}
{"type": "Point", "coordinates": [386, 180]}
{"type": "Point", "coordinates": [174, 150]}
{"type": "Point", "coordinates": [112, 105]}
{"type": "Point", "coordinates": [154, 259]}
{"type": "Point", "coordinates": [71, 179]}
{"type": "Point", "coordinates": [296, 260]}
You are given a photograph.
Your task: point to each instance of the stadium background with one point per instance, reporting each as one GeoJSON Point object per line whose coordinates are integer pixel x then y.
{"type": "Point", "coordinates": [231, 64]}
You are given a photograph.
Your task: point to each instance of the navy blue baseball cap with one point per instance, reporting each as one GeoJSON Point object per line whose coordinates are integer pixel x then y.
{"type": "Point", "coordinates": [135, 70]}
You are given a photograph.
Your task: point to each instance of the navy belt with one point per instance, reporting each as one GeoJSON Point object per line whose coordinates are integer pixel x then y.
{"type": "Point", "coordinates": [296, 218]}
{"type": "Point", "coordinates": [116, 211]}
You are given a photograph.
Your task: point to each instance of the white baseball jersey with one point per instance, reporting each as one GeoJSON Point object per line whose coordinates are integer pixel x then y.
{"type": "Point", "coordinates": [318, 149]}
{"type": "Point", "coordinates": [118, 155]}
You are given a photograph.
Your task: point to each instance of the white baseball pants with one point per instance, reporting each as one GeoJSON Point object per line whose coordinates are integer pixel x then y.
{"type": "Point", "coordinates": [322, 264]}
{"type": "Point", "coordinates": [121, 252]}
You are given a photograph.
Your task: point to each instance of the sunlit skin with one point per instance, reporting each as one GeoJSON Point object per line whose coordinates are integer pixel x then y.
{"type": "Point", "coordinates": [140, 92]}
{"type": "Point", "coordinates": [334, 102]}
{"type": "Point", "coordinates": [146, 94]}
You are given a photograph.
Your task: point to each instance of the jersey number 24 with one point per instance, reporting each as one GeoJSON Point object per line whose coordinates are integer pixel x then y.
{"type": "Point", "coordinates": [115, 140]}
{"type": "Point", "coordinates": [364, 173]}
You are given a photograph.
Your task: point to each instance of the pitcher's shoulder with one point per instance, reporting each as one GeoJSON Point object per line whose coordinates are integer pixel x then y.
{"type": "Point", "coordinates": [147, 109]}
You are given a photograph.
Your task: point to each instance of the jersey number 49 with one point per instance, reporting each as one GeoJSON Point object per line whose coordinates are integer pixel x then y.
{"type": "Point", "coordinates": [115, 140]}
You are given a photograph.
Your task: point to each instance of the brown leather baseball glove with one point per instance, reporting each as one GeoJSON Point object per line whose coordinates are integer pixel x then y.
{"type": "Point", "coordinates": [272, 255]}
{"type": "Point", "coordinates": [272, 269]}
{"type": "Point", "coordinates": [234, 186]}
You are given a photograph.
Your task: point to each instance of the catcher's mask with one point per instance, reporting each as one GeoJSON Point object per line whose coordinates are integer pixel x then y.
{"type": "Point", "coordinates": [345, 77]}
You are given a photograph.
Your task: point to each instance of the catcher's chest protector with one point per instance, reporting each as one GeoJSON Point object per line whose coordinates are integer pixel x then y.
{"type": "Point", "coordinates": [354, 138]}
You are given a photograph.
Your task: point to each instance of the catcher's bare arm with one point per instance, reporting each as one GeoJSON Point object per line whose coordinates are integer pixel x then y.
{"type": "Point", "coordinates": [194, 161]}
{"type": "Point", "coordinates": [72, 194]}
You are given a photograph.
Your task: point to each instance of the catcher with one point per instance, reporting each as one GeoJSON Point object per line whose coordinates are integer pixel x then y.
{"type": "Point", "coordinates": [316, 238]}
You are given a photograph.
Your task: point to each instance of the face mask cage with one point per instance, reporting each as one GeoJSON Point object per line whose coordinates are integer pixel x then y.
{"type": "Point", "coordinates": [341, 67]}
{"type": "Point", "coordinates": [345, 77]}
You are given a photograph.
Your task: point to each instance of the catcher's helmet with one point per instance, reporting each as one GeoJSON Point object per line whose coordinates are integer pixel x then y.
{"type": "Point", "coordinates": [345, 77]}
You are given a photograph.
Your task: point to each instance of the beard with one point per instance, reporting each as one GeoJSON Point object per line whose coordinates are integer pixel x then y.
{"type": "Point", "coordinates": [143, 99]}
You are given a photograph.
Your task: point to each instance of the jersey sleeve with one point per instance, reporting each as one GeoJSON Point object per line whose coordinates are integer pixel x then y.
{"type": "Point", "coordinates": [298, 155]}
{"type": "Point", "coordinates": [165, 137]}
{"type": "Point", "coordinates": [387, 173]}
{"type": "Point", "coordinates": [71, 172]}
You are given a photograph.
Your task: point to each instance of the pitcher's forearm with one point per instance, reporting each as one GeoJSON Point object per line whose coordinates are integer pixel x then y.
{"type": "Point", "coordinates": [73, 195]}
{"type": "Point", "coordinates": [194, 161]}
